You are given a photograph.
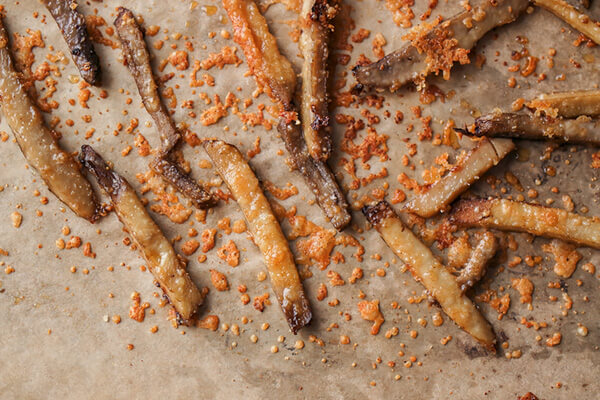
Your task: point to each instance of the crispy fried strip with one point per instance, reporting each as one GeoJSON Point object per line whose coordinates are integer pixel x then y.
{"type": "Point", "coordinates": [138, 61]}
{"type": "Point", "coordinates": [426, 269]}
{"type": "Point", "coordinates": [477, 162]}
{"type": "Point", "coordinates": [38, 143]}
{"type": "Point", "coordinates": [577, 19]}
{"type": "Point", "coordinates": [273, 71]}
{"type": "Point", "coordinates": [315, 19]}
{"type": "Point", "coordinates": [475, 268]}
{"type": "Point", "coordinates": [72, 25]}
{"type": "Point", "coordinates": [510, 215]}
{"type": "Point", "coordinates": [528, 126]}
{"type": "Point", "coordinates": [162, 260]}
{"type": "Point", "coordinates": [408, 64]}
{"type": "Point", "coordinates": [266, 232]}
{"type": "Point", "coordinates": [570, 104]}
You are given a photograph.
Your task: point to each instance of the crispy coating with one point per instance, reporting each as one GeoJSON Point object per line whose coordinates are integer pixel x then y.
{"type": "Point", "coordinates": [57, 168]}
{"type": "Point", "coordinates": [162, 260]}
{"type": "Point", "coordinates": [426, 269]}
{"type": "Point", "coordinates": [265, 229]}
{"type": "Point", "coordinates": [73, 27]}
{"type": "Point", "coordinates": [316, 26]}
{"type": "Point", "coordinates": [436, 47]}
{"type": "Point", "coordinates": [529, 126]}
{"type": "Point", "coordinates": [138, 61]}
{"type": "Point", "coordinates": [511, 215]}
{"type": "Point", "coordinates": [274, 72]}
{"type": "Point", "coordinates": [478, 161]}
{"type": "Point", "coordinates": [569, 104]}
{"type": "Point", "coordinates": [576, 18]}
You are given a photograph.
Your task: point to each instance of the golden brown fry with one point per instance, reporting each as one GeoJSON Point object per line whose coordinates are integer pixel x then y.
{"type": "Point", "coordinates": [265, 229]}
{"type": "Point", "coordinates": [426, 269]}
{"type": "Point", "coordinates": [73, 27]}
{"type": "Point", "coordinates": [138, 61]}
{"type": "Point", "coordinates": [510, 215]}
{"type": "Point", "coordinates": [577, 19]}
{"type": "Point", "coordinates": [532, 127]}
{"type": "Point", "coordinates": [570, 104]}
{"type": "Point", "coordinates": [38, 143]}
{"type": "Point", "coordinates": [477, 162]}
{"type": "Point", "coordinates": [274, 72]}
{"type": "Point", "coordinates": [437, 49]}
{"type": "Point", "coordinates": [162, 260]}
{"type": "Point", "coordinates": [315, 19]}
{"type": "Point", "coordinates": [475, 268]}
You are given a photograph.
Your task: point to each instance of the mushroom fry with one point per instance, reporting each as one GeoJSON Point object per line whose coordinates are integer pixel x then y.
{"type": "Point", "coordinates": [474, 270]}
{"type": "Point", "coordinates": [138, 61]}
{"type": "Point", "coordinates": [462, 31]}
{"type": "Point", "coordinates": [156, 249]}
{"type": "Point", "coordinates": [74, 30]}
{"type": "Point", "coordinates": [315, 20]}
{"type": "Point", "coordinates": [265, 229]}
{"type": "Point", "coordinates": [478, 161]}
{"type": "Point", "coordinates": [577, 19]}
{"type": "Point", "coordinates": [569, 104]}
{"type": "Point", "coordinates": [426, 269]}
{"type": "Point", "coordinates": [38, 143]}
{"type": "Point", "coordinates": [511, 215]}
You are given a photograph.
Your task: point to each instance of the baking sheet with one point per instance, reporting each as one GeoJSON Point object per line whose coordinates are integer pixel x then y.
{"type": "Point", "coordinates": [54, 338]}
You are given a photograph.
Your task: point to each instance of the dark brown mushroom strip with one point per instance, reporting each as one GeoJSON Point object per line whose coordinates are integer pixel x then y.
{"type": "Point", "coordinates": [433, 52]}
{"type": "Point", "coordinates": [38, 143]}
{"type": "Point", "coordinates": [570, 104]}
{"type": "Point", "coordinates": [274, 72]}
{"type": "Point", "coordinates": [265, 229]}
{"type": "Point", "coordinates": [528, 126]}
{"type": "Point", "coordinates": [474, 270]}
{"type": "Point", "coordinates": [511, 215]}
{"type": "Point", "coordinates": [427, 270]}
{"type": "Point", "coordinates": [138, 61]}
{"type": "Point", "coordinates": [73, 27]}
{"type": "Point", "coordinates": [316, 25]}
{"type": "Point", "coordinates": [156, 249]}
{"type": "Point", "coordinates": [576, 18]}
{"type": "Point", "coordinates": [477, 162]}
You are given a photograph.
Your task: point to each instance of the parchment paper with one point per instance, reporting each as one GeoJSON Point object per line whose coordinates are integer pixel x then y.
{"type": "Point", "coordinates": [56, 343]}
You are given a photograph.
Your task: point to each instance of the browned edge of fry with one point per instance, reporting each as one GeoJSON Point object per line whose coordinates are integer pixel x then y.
{"type": "Point", "coordinates": [58, 169]}
{"type": "Point", "coordinates": [74, 30]}
{"type": "Point", "coordinates": [171, 276]}
{"type": "Point", "coordinates": [138, 62]}
{"type": "Point", "coordinates": [266, 231]}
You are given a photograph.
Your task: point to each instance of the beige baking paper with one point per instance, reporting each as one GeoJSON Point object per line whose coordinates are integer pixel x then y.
{"type": "Point", "coordinates": [57, 338]}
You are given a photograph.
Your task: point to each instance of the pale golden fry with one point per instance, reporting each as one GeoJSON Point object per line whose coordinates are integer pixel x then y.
{"type": "Point", "coordinates": [315, 20]}
{"type": "Point", "coordinates": [73, 27]}
{"type": "Point", "coordinates": [577, 19]}
{"type": "Point", "coordinates": [475, 268]}
{"type": "Point", "coordinates": [477, 162]}
{"type": "Point", "coordinates": [425, 267]}
{"type": "Point", "coordinates": [438, 48]}
{"type": "Point", "coordinates": [38, 143]}
{"type": "Point", "coordinates": [570, 104]}
{"type": "Point", "coordinates": [510, 215]}
{"type": "Point", "coordinates": [138, 61]}
{"type": "Point", "coordinates": [156, 249]}
{"type": "Point", "coordinates": [265, 229]}
{"type": "Point", "coordinates": [274, 73]}
{"type": "Point", "coordinates": [529, 126]}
